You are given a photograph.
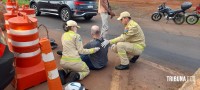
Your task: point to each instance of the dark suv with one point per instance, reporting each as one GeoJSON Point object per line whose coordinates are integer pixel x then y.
{"type": "Point", "coordinates": [66, 9]}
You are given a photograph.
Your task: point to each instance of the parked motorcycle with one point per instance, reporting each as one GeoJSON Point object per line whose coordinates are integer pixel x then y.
{"type": "Point", "coordinates": [178, 16]}
{"type": "Point", "coordinates": [193, 18]}
{"type": "Point", "coordinates": [162, 11]}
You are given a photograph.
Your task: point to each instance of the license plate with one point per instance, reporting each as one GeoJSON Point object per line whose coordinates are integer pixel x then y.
{"type": "Point", "coordinates": [90, 6]}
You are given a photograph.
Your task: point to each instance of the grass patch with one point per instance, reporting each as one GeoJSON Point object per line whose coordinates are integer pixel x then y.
{"type": "Point", "coordinates": [20, 2]}
{"type": "Point", "coordinates": [198, 22]}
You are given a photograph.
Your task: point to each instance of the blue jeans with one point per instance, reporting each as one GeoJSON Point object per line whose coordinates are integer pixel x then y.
{"type": "Point", "coordinates": [87, 60]}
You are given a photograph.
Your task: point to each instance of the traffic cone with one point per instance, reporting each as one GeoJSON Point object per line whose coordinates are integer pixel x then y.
{"type": "Point", "coordinates": [6, 17]}
{"type": "Point", "coordinates": [53, 79]}
{"type": "Point", "coordinates": [29, 11]}
{"type": "Point", "coordinates": [24, 38]}
{"type": "Point", "coordinates": [10, 4]}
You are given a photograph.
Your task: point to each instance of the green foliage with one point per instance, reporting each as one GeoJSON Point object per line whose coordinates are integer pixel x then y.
{"type": "Point", "coordinates": [20, 2]}
{"type": "Point", "coordinates": [198, 22]}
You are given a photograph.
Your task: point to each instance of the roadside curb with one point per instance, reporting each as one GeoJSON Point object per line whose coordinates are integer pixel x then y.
{"type": "Point", "coordinates": [115, 83]}
{"type": "Point", "coordinates": [162, 68]}
{"type": "Point", "coordinates": [192, 85]}
{"type": "Point", "coordinates": [120, 83]}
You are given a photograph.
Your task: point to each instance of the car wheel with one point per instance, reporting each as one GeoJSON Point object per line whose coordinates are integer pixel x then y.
{"type": "Point", "coordinates": [37, 11]}
{"type": "Point", "coordinates": [64, 26]}
{"type": "Point", "coordinates": [88, 17]}
{"type": "Point", "coordinates": [65, 14]}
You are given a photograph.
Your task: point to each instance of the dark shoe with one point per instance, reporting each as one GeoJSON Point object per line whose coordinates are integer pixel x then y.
{"type": "Point", "coordinates": [54, 46]}
{"type": "Point", "coordinates": [73, 76]}
{"type": "Point", "coordinates": [63, 76]}
{"type": "Point", "coordinates": [59, 53]}
{"type": "Point", "coordinates": [122, 67]}
{"type": "Point", "coordinates": [134, 59]}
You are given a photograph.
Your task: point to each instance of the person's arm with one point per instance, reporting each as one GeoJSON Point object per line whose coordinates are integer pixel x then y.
{"type": "Point", "coordinates": [81, 50]}
{"type": "Point", "coordinates": [132, 31]}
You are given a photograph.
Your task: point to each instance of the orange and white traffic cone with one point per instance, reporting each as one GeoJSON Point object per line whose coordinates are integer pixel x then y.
{"type": "Point", "coordinates": [24, 38]}
{"type": "Point", "coordinates": [29, 11]}
{"type": "Point", "coordinates": [10, 4]}
{"type": "Point", "coordinates": [53, 78]}
{"type": "Point", "coordinates": [6, 17]}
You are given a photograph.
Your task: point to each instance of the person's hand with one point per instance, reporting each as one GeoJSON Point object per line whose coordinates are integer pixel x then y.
{"type": "Point", "coordinates": [113, 46]}
{"type": "Point", "coordinates": [105, 43]}
{"type": "Point", "coordinates": [112, 14]}
{"type": "Point", "coordinates": [96, 49]}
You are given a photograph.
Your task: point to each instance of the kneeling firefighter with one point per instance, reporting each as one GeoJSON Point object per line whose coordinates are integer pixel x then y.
{"type": "Point", "coordinates": [70, 60]}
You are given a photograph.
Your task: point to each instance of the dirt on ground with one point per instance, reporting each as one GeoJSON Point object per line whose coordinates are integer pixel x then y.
{"type": "Point", "coordinates": [141, 10]}
{"type": "Point", "coordinates": [144, 8]}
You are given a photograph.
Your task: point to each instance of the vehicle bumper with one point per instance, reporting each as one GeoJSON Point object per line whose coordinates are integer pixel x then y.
{"type": "Point", "coordinates": [82, 14]}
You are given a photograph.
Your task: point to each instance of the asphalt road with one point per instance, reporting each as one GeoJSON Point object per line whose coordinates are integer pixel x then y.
{"type": "Point", "coordinates": [178, 52]}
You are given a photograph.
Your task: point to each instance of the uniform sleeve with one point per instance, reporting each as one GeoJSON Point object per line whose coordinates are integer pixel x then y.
{"type": "Point", "coordinates": [79, 46]}
{"type": "Point", "coordinates": [130, 32]}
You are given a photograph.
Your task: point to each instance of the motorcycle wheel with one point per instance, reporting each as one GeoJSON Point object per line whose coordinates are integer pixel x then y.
{"type": "Point", "coordinates": [156, 16]}
{"type": "Point", "coordinates": [179, 19]}
{"type": "Point", "coordinates": [192, 19]}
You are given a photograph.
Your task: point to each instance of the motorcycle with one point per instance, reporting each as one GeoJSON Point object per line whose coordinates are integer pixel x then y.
{"type": "Point", "coordinates": [178, 16]}
{"type": "Point", "coordinates": [193, 18]}
{"type": "Point", "coordinates": [162, 11]}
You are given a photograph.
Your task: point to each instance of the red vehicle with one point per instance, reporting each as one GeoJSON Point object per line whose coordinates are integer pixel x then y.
{"type": "Point", "coordinates": [194, 17]}
{"type": "Point", "coordinates": [6, 63]}
{"type": "Point", "coordinates": [198, 9]}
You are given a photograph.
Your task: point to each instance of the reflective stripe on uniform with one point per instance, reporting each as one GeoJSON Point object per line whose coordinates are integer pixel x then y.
{"type": "Point", "coordinates": [91, 50]}
{"type": "Point", "coordinates": [70, 59]}
{"type": "Point", "coordinates": [122, 54]}
{"type": "Point", "coordinates": [113, 41]}
{"type": "Point", "coordinates": [139, 46]}
{"type": "Point", "coordinates": [67, 35]}
{"type": "Point", "coordinates": [83, 74]}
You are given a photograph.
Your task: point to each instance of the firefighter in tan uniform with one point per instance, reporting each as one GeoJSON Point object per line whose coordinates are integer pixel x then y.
{"type": "Point", "coordinates": [128, 44]}
{"type": "Point", "coordinates": [72, 47]}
